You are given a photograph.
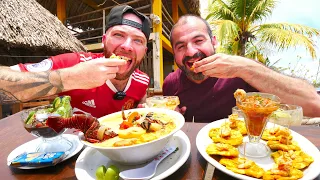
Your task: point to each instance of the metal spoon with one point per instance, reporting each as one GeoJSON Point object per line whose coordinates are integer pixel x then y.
{"type": "Point", "coordinates": [147, 171]}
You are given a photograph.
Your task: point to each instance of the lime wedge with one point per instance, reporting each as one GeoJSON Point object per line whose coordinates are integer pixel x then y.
{"type": "Point", "coordinates": [30, 117]}
{"type": "Point", "coordinates": [56, 102]}
{"type": "Point", "coordinates": [100, 172]}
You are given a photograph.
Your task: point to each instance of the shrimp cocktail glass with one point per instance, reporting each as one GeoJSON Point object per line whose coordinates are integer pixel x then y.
{"type": "Point", "coordinates": [256, 107]}
{"type": "Point", "coordinates": [166, 102]}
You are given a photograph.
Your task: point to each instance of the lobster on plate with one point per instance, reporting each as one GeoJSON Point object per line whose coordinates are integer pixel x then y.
{"type": "Point", "coordinates": [89, 125]}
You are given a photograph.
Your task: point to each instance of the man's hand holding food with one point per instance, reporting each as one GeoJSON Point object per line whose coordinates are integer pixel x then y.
{"type": "Point", "coordinates": [93, 73]}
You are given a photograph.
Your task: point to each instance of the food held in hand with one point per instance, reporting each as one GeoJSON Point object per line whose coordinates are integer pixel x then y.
{"type": "Point", "coordinates": [114, 131]}
{"type": "Point", "coordinates": [113, 56]}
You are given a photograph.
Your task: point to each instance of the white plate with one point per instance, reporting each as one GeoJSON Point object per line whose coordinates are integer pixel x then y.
{"type": "Point", "coordinates": [31, 146]}
{"type": "Point", "coordinates": [203, 140]}
{"type": "Point", "coordinates": [90, 159]}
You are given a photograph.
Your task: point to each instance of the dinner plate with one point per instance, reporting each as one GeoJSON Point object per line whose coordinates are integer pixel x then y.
{"type": "Point", "coordinates": [31, 147]}
{"type": "Point", "coordinates": [203, 140]}
{"type": "Point", "coordinates": [90, 159]}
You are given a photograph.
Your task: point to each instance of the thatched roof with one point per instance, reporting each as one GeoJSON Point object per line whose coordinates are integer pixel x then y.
{"type": "Point", "coordinates": [26, 26]}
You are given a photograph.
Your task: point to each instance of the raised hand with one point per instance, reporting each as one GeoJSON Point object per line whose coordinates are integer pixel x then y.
{"type": "Point", "coordinates": [222, 65]}
{"type": "Point", "coordinates": [90, 74]}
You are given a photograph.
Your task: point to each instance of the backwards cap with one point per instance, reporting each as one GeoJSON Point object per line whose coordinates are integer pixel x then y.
{"type": "Point", "coordinates": [115, 17]}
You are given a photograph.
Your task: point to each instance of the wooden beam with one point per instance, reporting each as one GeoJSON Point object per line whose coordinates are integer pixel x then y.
{"type": "Point", "coordinates": [182, 7]}
{"type": "Point", "coordinates": [61, 10]}
{"type": "Point", "coordinates": [93, 47]}
{"type": "Point", "coordinates": [175, 11]}
{"type": "Point", "coordinates": [166, 43]}
{"type": "Point", "coordinates": [157, 46]}
{"type": "Point", "coordinates": [175, 17]}
{"type": "Point", "coordinates": [91, 4]}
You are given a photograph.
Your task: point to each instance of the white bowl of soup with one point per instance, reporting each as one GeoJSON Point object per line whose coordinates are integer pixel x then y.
{"type": "Point", "coordinates": [133, 145]}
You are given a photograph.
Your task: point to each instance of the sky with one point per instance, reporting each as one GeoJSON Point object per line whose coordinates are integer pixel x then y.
{"type": "Point", "coordinates": [304, 12]}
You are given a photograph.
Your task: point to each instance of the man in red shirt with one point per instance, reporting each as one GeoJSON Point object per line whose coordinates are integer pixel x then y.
{"type": "Point", "coordinates": [127, 33]}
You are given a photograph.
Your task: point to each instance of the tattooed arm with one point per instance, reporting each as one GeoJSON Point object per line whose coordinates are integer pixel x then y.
{"type": "Point", "coordinates": [23, 86]}
{"type": "Point", "coordinates": [18, 86]}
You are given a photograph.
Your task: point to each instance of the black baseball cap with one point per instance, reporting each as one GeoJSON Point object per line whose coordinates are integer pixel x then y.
{"type": "Point", "coordinates": [115, 18]}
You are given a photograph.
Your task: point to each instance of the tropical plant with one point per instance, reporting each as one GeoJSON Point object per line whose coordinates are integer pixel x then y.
{"type": "Point", "coordinates": [237, 25]}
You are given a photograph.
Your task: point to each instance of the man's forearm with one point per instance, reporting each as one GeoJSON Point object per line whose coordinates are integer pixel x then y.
{"type": "Point", "coordinates": [23, 86]}
{"type": "Point", "coordinates": [290, 90]}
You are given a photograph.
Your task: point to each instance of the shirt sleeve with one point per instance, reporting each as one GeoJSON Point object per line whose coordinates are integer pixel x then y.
{"type": "Point", "coordinates": [52, 63]}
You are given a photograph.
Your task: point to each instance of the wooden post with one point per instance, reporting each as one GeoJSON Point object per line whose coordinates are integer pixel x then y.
{"type": "Point", "coordinates": [175, 17]}
{"type": "Point", "coordinates": [157, 62]}
{"type": "Point", "coordinates": [61, 11]}
{"type": "Point", "coordinates": [157, 46]}
{"type": "Point", "coordinates": [104, 22]}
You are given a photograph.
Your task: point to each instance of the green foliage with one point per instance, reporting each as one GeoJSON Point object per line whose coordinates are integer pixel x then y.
{"type": "Point", "coordinates": [237, 25]}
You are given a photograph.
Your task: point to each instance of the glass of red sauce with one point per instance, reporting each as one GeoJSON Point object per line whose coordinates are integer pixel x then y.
{"type": "Point", "coordinates": [257, 107]}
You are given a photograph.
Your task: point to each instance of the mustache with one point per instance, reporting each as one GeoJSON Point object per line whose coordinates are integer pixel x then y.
{"type": "Point", "coordinates": [199, 54]}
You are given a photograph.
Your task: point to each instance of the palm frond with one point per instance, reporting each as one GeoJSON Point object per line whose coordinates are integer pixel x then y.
{"type": "Point", "coordinates": [261, 10]}
{"type": "Point", "coordinates": [282, 39]}
{"type": "Point", "coordinates": [226, 31]}
{"type": "Point", "coordinates": [220, 10]}
{"type": "Point", "coordinates": [297, 28]}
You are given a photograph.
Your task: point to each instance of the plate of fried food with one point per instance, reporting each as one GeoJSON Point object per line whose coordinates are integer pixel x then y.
{"type": "Point", "coordinates": [292, 155]}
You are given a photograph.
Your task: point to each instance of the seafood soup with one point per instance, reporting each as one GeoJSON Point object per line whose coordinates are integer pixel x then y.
{"type": "Point", "coordinates": [145, 127]}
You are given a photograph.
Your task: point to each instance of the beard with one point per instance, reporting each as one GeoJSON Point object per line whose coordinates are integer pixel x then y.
{"type": "Point", "coordinates": [191, 74]}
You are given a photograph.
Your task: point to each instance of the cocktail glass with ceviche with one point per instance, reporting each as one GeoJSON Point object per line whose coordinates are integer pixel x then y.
{"type": "Point", "coordinates": [166, 102]}
{"type": "Point", "coordinates": [256, 107]}
{"type": "Point", "coordinates": [34, 121]}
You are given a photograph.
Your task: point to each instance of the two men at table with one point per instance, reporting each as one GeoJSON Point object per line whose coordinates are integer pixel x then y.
{"type": "Point", "coordinates": [206, 93]}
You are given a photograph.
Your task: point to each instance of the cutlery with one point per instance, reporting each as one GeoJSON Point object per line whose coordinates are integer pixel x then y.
{"type": "Point", "coordinates": [148, 171]}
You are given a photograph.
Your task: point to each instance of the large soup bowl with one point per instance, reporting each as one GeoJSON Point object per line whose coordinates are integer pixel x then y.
{"type": "Point", "coordinates": [139, 153]}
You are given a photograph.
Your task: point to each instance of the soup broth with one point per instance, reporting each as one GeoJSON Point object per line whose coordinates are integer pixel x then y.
{"type": "Point", "coordinates": [136, 134]}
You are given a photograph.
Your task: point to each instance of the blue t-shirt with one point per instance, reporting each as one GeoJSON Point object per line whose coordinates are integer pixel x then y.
{"type": "Point", "coordinates": [209, 101]}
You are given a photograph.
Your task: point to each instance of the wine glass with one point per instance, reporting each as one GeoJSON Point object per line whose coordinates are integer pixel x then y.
{"type": "Point", "coordinates": [167, 102]}
{"type": "Point", "coordinates": [51, 141]}
{"type": "Point", "coordinates": [256, 107]}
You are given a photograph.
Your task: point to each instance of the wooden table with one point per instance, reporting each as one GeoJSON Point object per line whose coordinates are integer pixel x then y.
{"type": "Point", "coordinates": [13, 134]}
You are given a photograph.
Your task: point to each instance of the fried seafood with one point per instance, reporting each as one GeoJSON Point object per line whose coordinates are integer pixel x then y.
{"type": "Point", "coordinates": [225, 135]}
{"type": "Point", "coordinates": [300, 159]}
{"type": "Point", "coordinates": [283, 170]}
{"type": "Point", "coordinates": [275, 133]}
{"type": "Point", "coordinates": [236, 124]}
{"type": "Point", "coordinates": [240, 94]}
{"type": "Point", "coordinates": [283, 144]}
{"type": "Point", "coordinates": [243, 166]}
{"type": "Point", "coordinates": [222, 149]}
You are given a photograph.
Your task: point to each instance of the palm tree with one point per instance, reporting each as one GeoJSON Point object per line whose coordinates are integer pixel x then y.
{"type": "Point", "coordinates": [237, 25]}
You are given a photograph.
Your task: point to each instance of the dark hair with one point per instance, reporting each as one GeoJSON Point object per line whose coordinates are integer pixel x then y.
{"type": "Point", "coordinates": [183, 20]}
